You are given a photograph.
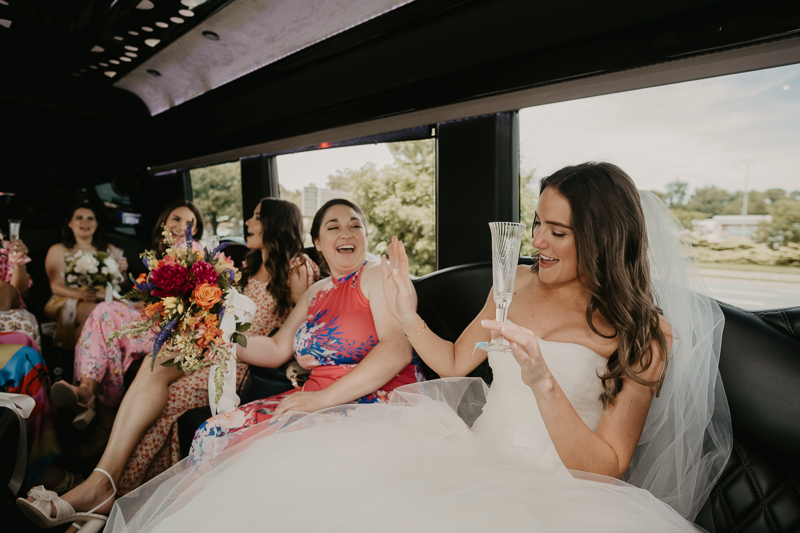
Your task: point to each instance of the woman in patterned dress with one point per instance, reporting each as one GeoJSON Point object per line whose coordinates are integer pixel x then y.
{"type": "Point", "coordinates": [100, 367]}
{"type": "Point", "coordinates": [144, 440]}
{"type": "Point", "coordinates": [340, 330]}
{"type": "Point", "coordinates": [71, 305]}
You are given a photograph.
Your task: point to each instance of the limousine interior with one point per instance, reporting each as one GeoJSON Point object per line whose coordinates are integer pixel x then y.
{"type": "Point", "coordinates": [129, 96]}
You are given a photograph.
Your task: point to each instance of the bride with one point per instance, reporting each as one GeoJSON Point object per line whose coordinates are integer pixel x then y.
{"type": "Point", "coordinates": [613, 376]}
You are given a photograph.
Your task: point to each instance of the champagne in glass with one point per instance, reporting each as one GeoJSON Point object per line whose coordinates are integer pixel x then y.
{"type": "Point", "coordinates": [506, 242]}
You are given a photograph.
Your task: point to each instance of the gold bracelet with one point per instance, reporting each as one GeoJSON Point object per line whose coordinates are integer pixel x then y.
{"type": "Point", "coordinates": [424, 327]}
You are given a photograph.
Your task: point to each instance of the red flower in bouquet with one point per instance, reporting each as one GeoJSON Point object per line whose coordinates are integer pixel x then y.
{"type": "Point", "coordinates": [170, 280]}
{"type": "Point", "coordinates": [202, 272]}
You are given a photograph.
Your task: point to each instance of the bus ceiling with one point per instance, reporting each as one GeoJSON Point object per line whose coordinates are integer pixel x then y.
{"type": "Point", "coordinates": [93, 88]}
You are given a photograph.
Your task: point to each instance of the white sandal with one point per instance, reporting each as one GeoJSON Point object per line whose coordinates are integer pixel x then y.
{"type": "Point", "coordinates": [38, 511]}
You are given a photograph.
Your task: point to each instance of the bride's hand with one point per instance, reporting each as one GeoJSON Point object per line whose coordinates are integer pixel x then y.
{"type": "Point", "coordinates": [401, 298]}
{"type": "Point", "coordinates": [525, 348]}
{"type": "Point", "coordinates": [302, 401]}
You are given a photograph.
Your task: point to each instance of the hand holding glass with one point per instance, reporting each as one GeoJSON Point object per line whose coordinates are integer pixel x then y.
{"type": "Point", "coordinates": [13, 230]}
{"type": "Point", "coordinates": [506, 242]}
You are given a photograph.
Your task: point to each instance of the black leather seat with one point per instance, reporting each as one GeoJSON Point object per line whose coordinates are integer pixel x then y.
{"type": "Point", "coordinates": [759, 490]}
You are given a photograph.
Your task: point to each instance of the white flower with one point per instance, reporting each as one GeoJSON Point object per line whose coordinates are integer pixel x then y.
{"type": "Point", "coordinates": [86, 264]}
{"type": "Point", "coordinates": [71, 278]}
{"type": "Point", "coordinates": [104, 270]}
{"type": "Point", "coordinates": [111, 266]}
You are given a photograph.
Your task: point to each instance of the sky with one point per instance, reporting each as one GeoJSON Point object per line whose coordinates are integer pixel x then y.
{"type": "Point", "coordinates": [704, 132]}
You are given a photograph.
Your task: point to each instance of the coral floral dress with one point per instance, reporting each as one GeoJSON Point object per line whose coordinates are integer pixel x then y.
{"type": "Point", "coordinates": [159, 449]}
{"type": "Point", "coordinates": [338, 333]}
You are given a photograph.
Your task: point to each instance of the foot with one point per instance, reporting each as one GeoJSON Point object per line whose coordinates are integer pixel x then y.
{"type": "Point", "coordinates": [87, 495]}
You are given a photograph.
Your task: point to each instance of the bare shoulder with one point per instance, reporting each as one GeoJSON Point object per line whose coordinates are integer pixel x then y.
{"type": "Point", "coordinates": [666, 328]}
{"type": "Point", "coordinates": [372, 278]}
{"type": "Point", "coordinates": [56, 252]}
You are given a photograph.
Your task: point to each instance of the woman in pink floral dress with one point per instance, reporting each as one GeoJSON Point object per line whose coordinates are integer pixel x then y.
{"type": "Point", "coordinates": [143, 441]}
{"type": "Point", "coordinates": [100, 367]}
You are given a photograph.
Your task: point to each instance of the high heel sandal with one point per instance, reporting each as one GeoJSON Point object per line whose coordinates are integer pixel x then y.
{"type": "Point", "coordinates": [66, 397]}
{"type": "Point", "coordinates": [38, 511]}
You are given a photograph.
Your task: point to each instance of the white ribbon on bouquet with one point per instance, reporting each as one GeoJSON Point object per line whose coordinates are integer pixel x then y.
{"type": "Point", "coordinates": [238, 308]}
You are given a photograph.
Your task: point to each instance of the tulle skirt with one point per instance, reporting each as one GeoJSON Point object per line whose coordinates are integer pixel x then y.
{"type": "Point", "coordinates": [413, 463]}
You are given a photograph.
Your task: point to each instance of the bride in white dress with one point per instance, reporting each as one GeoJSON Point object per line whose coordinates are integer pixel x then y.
{"type": "Point", "coordinates": [542, 450]}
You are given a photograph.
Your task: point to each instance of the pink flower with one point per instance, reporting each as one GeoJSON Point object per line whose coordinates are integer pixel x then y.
{"type": "Point", "coordinates": [170, 280]}
{"type": "Point", "coordinates": [202, 272]}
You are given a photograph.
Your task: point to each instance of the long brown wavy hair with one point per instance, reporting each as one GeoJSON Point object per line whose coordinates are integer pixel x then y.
{"type": "Point", "coordinates": [282, 225]}
{"type": "Point", "coordinates": [611, 245]}
{"type": "Point", "coordinates": [158, 238]}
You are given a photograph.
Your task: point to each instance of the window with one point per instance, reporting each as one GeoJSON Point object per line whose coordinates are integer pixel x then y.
{"type": "Point", "coordinates": [394, 183]}
{"type": "Point", "coordinates": [698, 145]}
{"type": "Point", "coordinates": [217, 192]}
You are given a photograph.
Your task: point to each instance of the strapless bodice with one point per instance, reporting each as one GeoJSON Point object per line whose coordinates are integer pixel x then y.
{"type": "Point", "coordinates": [511, 412]}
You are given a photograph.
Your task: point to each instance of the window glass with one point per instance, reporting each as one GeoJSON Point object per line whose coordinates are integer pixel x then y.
{"type": "Point", "coordinates": [394, 183]}
{"type": "Point", "coordinates": [217, 192]}
{"type": "Point", "coordinates": [698, 145]}
{"type": "Point", "coordinates": [117, 209]}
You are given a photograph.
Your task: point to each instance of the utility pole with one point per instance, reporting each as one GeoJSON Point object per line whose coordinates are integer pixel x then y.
{"type": "Point", "coordinates": [744, 199]}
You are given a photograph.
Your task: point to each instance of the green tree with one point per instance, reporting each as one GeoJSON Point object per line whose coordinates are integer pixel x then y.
{"type": "Point", "coordinates": [217, 192]}
{"type": "Point", "coordinates": [528, 200]}
{"type": "Point", "coordinates": [756, 204]}
{"type": "Point", "coordinates": [785, 225]}
{"type": "Point", "coordinates": [293, 196]}
{"type": "Point", "coordinates": [773, 195]}
{"type": "Point", "coordinates": [398, 199]}
{"type": "Point", "coordinates": [676, 193]}
{"type": "Point", "coordinates": [710, 200]}
{"type": "Point", "coordinates": [688, 216]}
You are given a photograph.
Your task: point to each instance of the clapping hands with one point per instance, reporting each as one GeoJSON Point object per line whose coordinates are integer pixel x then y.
{"type": "Point", "coordinates": [401, 297]}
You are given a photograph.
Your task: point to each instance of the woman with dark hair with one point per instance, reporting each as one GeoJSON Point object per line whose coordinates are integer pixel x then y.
{"type": "Point", "coordinates": [69, 264]}
{"type": "Point", "coordinates": [144, 440]}
{"type": "Point", "coordinates": [100, 366]}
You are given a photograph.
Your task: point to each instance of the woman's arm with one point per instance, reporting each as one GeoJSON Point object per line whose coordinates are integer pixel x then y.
{"type": "Point", "coordinates": [382, 363]}
{"type": "Point", "coordinates": [444, 357]}
{"type": "Point", "coordinates": [272, 352]}
{"type": "Point", "coordinates": [54, 266]}
{"type": "Point", "coordinates": [298, 281]}
{"type": "Point", "coordinates": [607, 451]}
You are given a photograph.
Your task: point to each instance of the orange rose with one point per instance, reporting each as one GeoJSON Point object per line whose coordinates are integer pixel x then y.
{"type": "Point", "coordinates": [153, 309]}
{"type": "Point", "coordinates": [206, 295]}
{"type": "Point", "coordinates": [142, 278]}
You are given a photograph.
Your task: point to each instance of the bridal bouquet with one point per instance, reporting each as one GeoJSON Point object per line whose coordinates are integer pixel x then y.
{"type": "Point", "coordinates": [189, 296]}
{"type": "Point", "coordinates": [92, 269]}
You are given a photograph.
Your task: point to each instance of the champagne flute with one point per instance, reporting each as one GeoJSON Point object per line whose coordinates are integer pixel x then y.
{"type": "Point", "coordinates": [506, 242]}
{"type": "Point", "coordinates": [13, 231]}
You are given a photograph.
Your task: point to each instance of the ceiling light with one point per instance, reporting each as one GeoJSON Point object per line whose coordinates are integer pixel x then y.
{"type": "Point", "coordinates": [93, 67]}
{"type": "Point", "coordinates": [153, 72]}
{"type": "Point", "coordinates": [118, 38]}
{"type": "Point", "coordinates": [148, 29]}
{"type": "Point", "coordinates": [131, 48]}
{"type": "Point", "coordinates": [186, 13]}
{"type": "Point", "coordinates": [113, 61]}
{"type": "Point", "coordinates": [3, 2]}
{"type": "Point", "coordinates": [145, 4]}
{"type": "Point", "coordinates": [5, 22]}
{"type": "Point", "coordinates": [125, 59]}
{"type": "Point", "coordinates": [211, 35]}
{"type": "Point", "coordinates": [162, 24]}
{"type": "Point", "coordinates": [152, 43]}
{"type": "Point", "coordinates": [103, 64]}
{"type": "Point", "coordinates": [131, 54]}
{"type": "Point", "coordinates": [110, 73]}
{"type": "Point", "coordinates": [134, 33]}
{"type": "Point", "coordinates": [176, 20]}
{"type": "Point", "coordinates": [98, 49]}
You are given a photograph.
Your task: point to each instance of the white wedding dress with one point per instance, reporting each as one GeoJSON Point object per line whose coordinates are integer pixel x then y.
{"type": "Point", "coordinates": [412, 464]}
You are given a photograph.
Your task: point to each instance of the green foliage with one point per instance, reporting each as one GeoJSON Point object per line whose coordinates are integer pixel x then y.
{"type": "Point", "coordinates": [756, 204]}
{"type": "Point", "coordinates": [785, 225]}
{"type": "Point", "coordinates": [709, 200]}
{"type": "Point", "coordinates": [398, 199]}
{"type": "Point", "coordinates": [217, 193]}
{"type": "Point", "coordinates": [687, 216]}
{"type": "Point", "coordinates": [528, 200]}
{"type": "Point", "coordinates": [676, 193]}
{"type": "Point", "coordinates": [292, 196]}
